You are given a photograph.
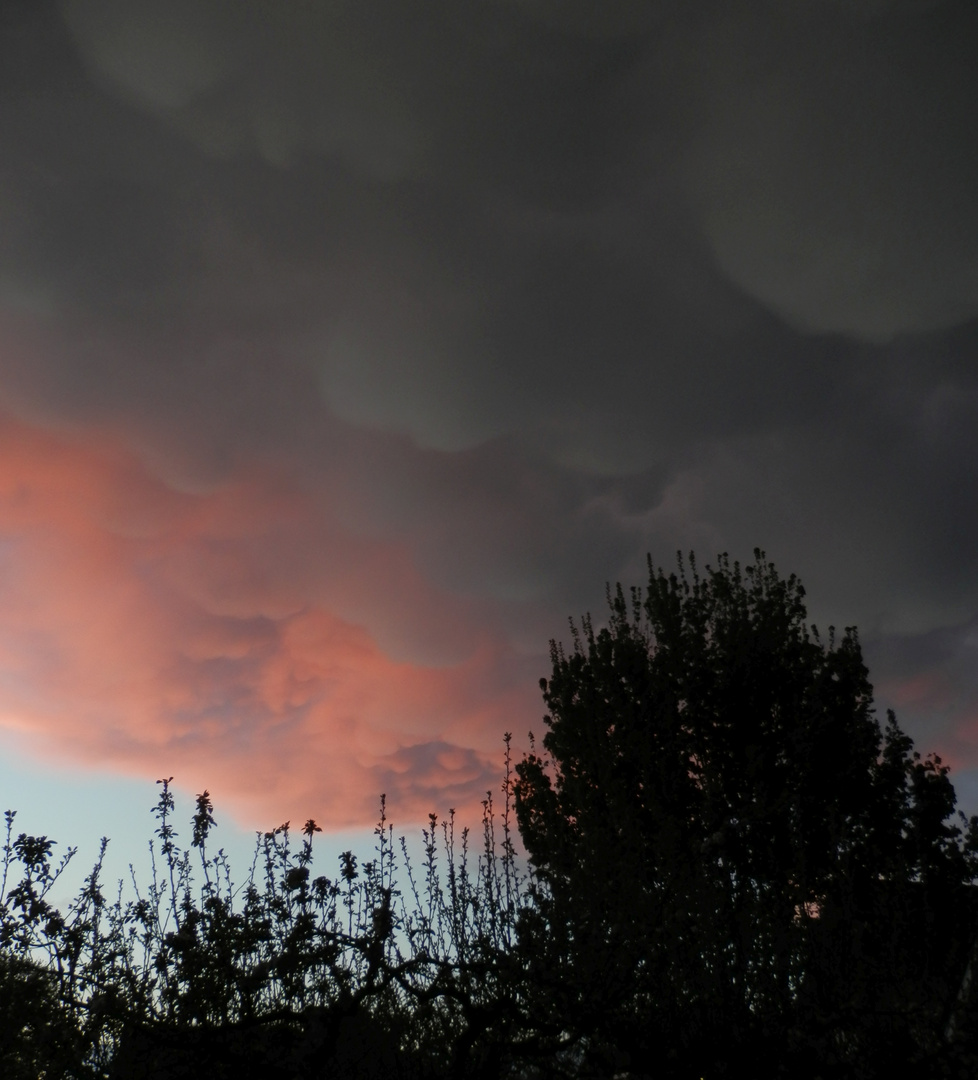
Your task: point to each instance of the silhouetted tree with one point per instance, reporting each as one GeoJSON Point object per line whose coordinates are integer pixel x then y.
{"type": "Point", "coordinates": [736, 867]}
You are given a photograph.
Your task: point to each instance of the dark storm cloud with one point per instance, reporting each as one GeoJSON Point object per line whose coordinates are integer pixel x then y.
{"type": "Point", "coordinates": [513, 291]}
{"type": "Point", "coordinates": [833, 167]}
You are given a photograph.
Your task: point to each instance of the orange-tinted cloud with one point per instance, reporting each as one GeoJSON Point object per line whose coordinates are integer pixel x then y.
{"type": "Point", "coordinates": [213, 635]}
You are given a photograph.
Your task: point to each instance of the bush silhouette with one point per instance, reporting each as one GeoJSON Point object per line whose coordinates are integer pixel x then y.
{"type": "Point", "coordinates": [294, 975]}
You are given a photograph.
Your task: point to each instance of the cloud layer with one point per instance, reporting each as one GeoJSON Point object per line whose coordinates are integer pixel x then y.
{"type": "Point", "coordinates": [199, 632]}
{"type": "Point", "coordinates": [347, 349]}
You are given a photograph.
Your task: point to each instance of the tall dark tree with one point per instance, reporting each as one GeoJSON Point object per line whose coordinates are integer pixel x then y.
{"type": "Point", "coordinates": [735, 863]}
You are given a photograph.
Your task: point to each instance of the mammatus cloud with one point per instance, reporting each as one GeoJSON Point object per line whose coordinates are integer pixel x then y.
{"type": "Point", "coordinates": [347, 348]}
{"type": "Point", "coordinates": [151, 629]}
{"type": "Point", "coordinates": [830, 166]}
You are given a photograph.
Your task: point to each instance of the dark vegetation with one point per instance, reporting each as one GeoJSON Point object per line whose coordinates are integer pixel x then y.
{"type": "Point", "coordinates": [734, 870]}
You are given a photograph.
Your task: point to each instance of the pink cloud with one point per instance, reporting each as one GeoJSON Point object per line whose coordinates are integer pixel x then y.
{"type": "Point", "coordinates": [924, 689]}
{"type": "Point", "coordinates": [235, 638]}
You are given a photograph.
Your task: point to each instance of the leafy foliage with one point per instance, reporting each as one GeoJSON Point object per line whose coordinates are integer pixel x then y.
{"type": "Point", "coordinates": [290, 975]}
{"type": "Point", "coordinates": [733, 860]}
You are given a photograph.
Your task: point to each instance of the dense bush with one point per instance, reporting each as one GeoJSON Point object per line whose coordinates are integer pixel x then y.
{"type": "Point", "coordinates": [291, 975]}
{"type": "Point", "coordinates": [733, 870]}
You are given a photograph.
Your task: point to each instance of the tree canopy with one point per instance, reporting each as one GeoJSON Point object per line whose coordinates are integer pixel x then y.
{"type": "Point", "coordinates": [733, 858]}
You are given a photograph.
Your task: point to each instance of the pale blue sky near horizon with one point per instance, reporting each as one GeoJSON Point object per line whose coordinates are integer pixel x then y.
{"type": "Point", "coordinates": [77, 806]}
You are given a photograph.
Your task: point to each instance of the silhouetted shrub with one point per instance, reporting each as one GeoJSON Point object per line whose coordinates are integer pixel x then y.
{"type": "Point", "coordinates": [292, 975]}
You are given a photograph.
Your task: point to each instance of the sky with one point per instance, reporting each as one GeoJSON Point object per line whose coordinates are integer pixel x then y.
{"type": "Point", "coordinates": [348, 348]}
